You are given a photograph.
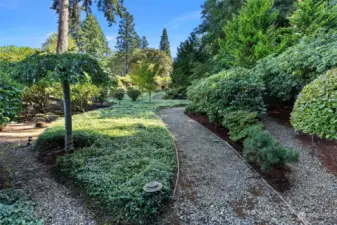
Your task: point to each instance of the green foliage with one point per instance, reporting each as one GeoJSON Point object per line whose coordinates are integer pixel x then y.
{"type": "Point", "coordinates": [132, 146]}
{"type": "Point", "coordinates": [315, 111]}
{"type": "Point", "coordinates": [164, 43]}
{"type": "Point", "coordinates": [150, 64]}
{"type": "Point", "coordinates": [177, 93]}
{"type": "Point", "coordinates": [230, 90]}
{"type": "Point", "coordinates": [15, 209]}
{"type": "Point", "coordinates": [238, 122]}
{"type": "Point", "coordinates": [10, 99]}
{"type": "Point", "coordinates": [314, 14]}
{"type": "Point", "coordinates": [119, 94]}
{"type": "Point", "coordinates": [285, 75]}
{"type": "Point", "coordinates": [133, 94]}
{"type": "Point", "coordinates": [251, 34]}
{"type": "Point", "coordinates": [51, 43]}
{"type": "Point", "coordinates": [144, 43]}
{"type": "Point", "coordinates": [92, 40]}
{"type": "Point", "coordinates": [36, 97]}
{"type": "Point", "coordinates": [127, 40]}
{"type": "Point", "coordinates": [262, 148]}
{"type": "Point", "coordinates": [74, 68]}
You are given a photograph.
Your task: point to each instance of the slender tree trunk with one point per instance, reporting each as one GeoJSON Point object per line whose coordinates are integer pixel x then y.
{"type": "Point", "coordinates": [62, 47]}
{"type": "Point", "coordinates": [150, 96]}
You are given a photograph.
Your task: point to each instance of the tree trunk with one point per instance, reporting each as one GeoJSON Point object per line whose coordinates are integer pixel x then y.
{"type": "Point", "coordinates": [68, 144]}
{"type": "Point", "coordinates": [150, 96]}
{"type": "Point", "coordinates": [62, 47]}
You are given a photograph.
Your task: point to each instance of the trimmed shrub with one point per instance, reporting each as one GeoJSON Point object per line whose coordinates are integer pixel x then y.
{"type": "Point", "coordinates": [285, 75]}
{"type": "Point", "coordinates": [315, 111]}
{"type": "Point", "coordinates": [230, 90]}
{"type": "Point", "coordinates": [54, 139]}
{"type": "Point", "coordinates": [262, 148]}
{"type": "Point", "coordinates": [177, 93]}
{"type": "Point", "coordinates": [133, 94]}
{"type": "Point", "coordinates": [237, 123]}
{"type": "Point", "coordinates": [119, 94]}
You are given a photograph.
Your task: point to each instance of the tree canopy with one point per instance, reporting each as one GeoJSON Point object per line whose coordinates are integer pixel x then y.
{"type": "Point", "coordinates": [164, 43]}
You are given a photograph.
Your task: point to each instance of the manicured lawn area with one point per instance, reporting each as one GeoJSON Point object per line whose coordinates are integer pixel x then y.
{"type": "Point", "coordinates": [118, 151]}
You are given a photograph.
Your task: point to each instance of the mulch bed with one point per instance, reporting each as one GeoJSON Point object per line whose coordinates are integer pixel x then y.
{"type": "Point", "coordinates": [327, 150]}
{"type": "Point", "coordinates": [277, 177]}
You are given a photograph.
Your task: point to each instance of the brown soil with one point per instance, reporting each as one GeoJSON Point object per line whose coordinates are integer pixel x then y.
{"type": "Point", "coordinates": [327, 150]}
{"type": "Point", "coordinates": [277, 177]}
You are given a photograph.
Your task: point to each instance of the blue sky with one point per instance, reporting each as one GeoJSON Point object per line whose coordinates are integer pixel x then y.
{"type": "Point", "coordinates": [29, 23]}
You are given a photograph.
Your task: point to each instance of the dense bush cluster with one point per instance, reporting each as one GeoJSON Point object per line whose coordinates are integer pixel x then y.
{"type": "Point", "coordinates": [229, 90]}
{"type": "Point", "coordinates": [119, 94]}
{"type": "Point", "coordinates": [285, 75]}
{"type": "Point", "coordinates": [315, 111]}
{"type": "Point", "coordinates": [176, 93]}
{"type": "Point", "coordinates": [262, 148]}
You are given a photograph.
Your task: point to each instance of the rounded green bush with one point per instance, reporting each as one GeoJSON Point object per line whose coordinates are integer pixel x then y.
{"type": "Point", "coordinates": [133, 94]}
{"type": "Point", "coordinates": [315, 111]}
{"type": "Point", "coordinates": [119, 94]}
{"type": "Point", "coordinates": [230, 90]}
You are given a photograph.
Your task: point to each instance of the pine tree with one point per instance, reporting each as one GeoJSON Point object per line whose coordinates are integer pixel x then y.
{"type": "Point", "coordinates": [92, 40]}
{"type": "Point", "coordinates": [127, 40]}
{"type": "Point", "coordinates": [144, 43]}
{"type": "Point", "coordinates": [164, 43]}
{"type": "Point", "coordinates": [251, 34]}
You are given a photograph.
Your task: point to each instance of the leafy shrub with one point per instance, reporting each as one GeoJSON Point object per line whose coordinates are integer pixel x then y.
{"type": "Point", "coordinates": [262, 148]}
{"type": "Point", "coordinates": [315, 111]}
{"type": "Point", "coordinates": [237, 123]}
{"type": "Point", "coordinates": [119, 94]}
{"type": "Point", "coordinates": [36, 98]}
{"type": "Point", "coordinates": [10, 99]}
{"type": "Point", "coordinates": [286, 75]}
{"type": "Point", "coordinates": [54, 139]}
{"type": "Point", "coordinates": [15, 209]}
{"type": "Point", "coordinates": [176, 93]}
{"type": "Point", "coordinates": [230, 90]}
{"type": "Point", "coordinates": [133, 94]}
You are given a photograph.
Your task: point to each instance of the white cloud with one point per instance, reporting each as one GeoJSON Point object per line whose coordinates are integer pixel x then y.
{"type": "Point", "coordinates": [111, 37]}
{"type": "Point", "coordinates": [178, 21]}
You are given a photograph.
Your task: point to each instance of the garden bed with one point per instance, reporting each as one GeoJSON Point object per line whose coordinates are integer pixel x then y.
{"type": "Point", "coordinates": [124, 148]}
{"type": "Point", "coordinates": [307, 186]}
{"type": "Point", "coordinates": [277, 177]}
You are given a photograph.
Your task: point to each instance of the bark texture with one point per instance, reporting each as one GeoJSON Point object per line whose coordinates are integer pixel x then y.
{"type": "Point", "coordinates": [62, 47]}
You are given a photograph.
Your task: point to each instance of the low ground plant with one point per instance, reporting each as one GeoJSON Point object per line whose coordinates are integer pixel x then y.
{"type": "Point", "coordinates": [126, 147]}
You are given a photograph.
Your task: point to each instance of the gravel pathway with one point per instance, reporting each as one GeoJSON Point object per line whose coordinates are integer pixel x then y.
{"type": "Point", "coordinates": [314, 191]}
{"type": "Point", "coordinates": [216, 186]}
{"type": "Point", "coordinates": [53, 201]}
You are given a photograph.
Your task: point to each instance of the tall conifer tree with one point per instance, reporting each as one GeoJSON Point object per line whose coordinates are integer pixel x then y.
{"type": "Point", "coordinates": [144, 43]}
{"type": "Point", "coordinates": [127, 40]}
{"type": "Point", "coordinates": [164, 43]}
{"type": "Point", "coordinates": [92, 40]}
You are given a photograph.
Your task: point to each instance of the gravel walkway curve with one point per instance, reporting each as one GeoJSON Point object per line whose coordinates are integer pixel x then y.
{"type": "Point", "coordinates": [216, 186]}
{"type": "Point", "coordinates": [314, 191]}
{"type": "Point", "coordinates": [54, 202]}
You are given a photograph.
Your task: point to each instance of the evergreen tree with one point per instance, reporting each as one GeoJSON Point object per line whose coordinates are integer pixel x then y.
{"type": "Point", "coordinates": [164, 43]}
{"type": "Point", "coordinates": [127, 40]}
{"type": "Point", "coordinates": [92, 40]}
{"type": "Point", "coordinates": [313, 14]}
{"type": "Point", "coordinates": [144, 43]}
{"type": "Point", "coordinates": [251, 34]}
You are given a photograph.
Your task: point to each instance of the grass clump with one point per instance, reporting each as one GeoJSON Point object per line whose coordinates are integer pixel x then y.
{"type": "Point", "coordinates": [131, 147]}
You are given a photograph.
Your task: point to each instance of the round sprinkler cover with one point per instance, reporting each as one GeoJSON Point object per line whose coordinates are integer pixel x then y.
{"type": "Point", "coordinates": [152, 187]}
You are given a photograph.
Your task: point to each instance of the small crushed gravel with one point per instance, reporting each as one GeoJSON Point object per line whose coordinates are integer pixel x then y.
{"type": "Point", "coordinates": [216, 186]}
{"type": "Point", "coordinates": [53, 201]}
{"type": "Point", "coordinates": [314, 190]}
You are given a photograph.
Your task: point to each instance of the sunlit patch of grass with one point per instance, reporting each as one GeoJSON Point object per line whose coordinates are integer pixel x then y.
{"type": "Point", "coordinates": [131, 147]}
